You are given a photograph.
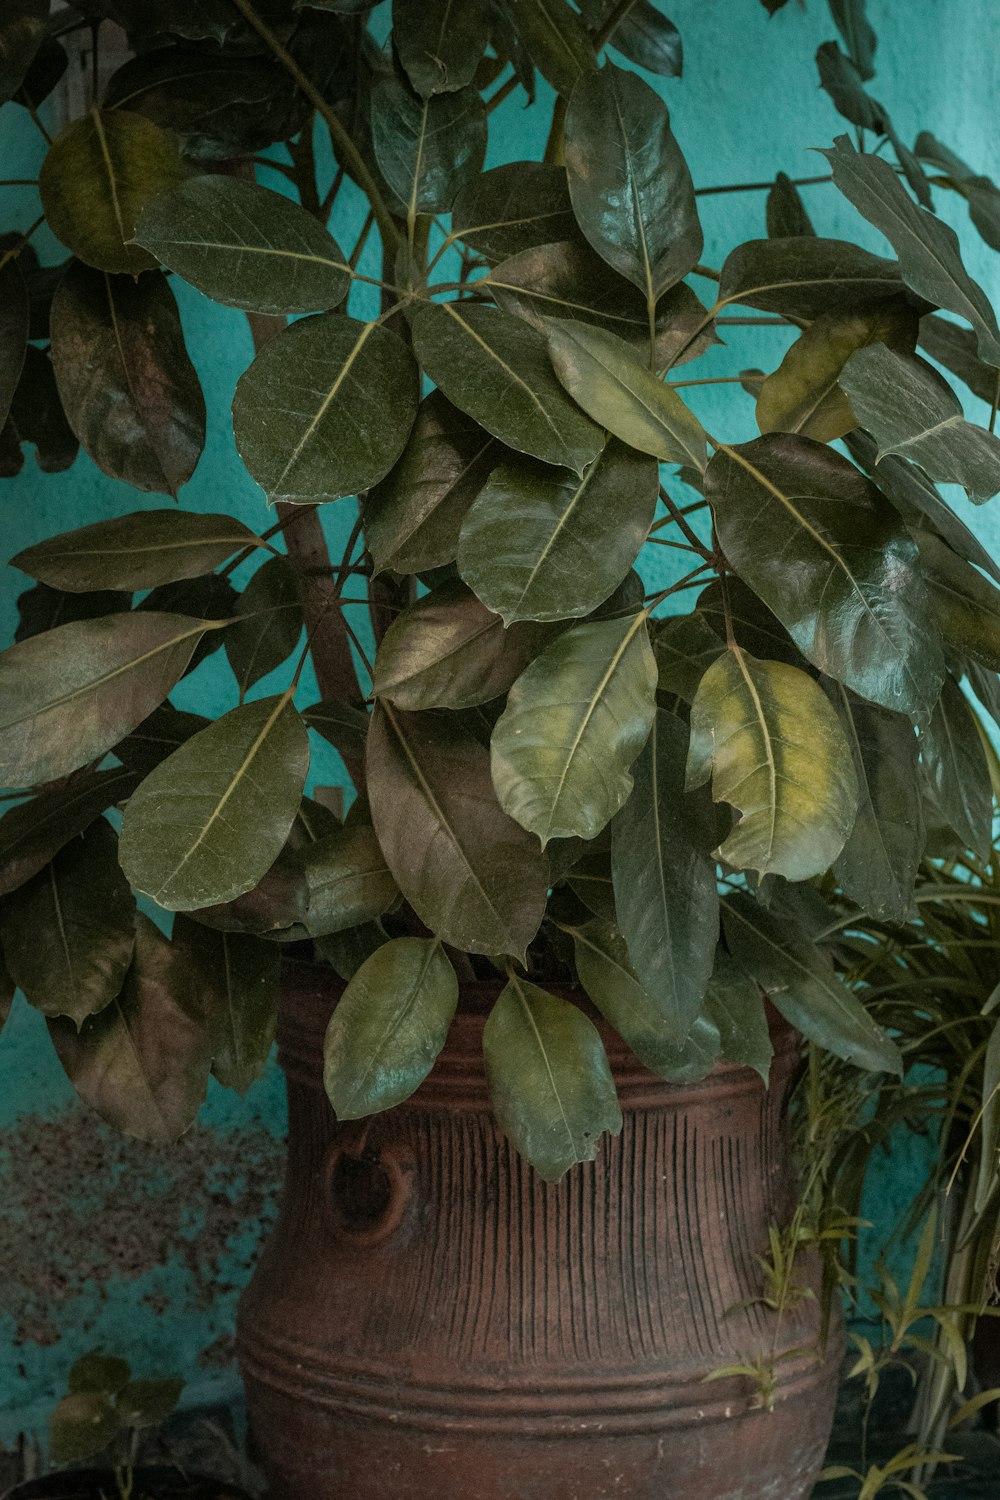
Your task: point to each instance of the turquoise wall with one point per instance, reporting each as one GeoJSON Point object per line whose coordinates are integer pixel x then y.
{"type": "Point", "coordinates": [142, 1249]}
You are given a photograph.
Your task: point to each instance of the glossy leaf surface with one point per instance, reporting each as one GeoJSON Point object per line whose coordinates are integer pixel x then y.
{"type": "Point", "coordinates": [210, 820]}
{"type": "Point", "coordinates": [575, 721]}
{"type": "Point", "coordinates": [805, 276]}
{"type": "Point", "coordinates": [427, 148]}
{"type": "Point", "coordinates": [32, 832]}
{"type": "Point", "coordinates": [238, 992]}
{"type": "Point", "coordinates": [348, 880]}
{"type": "Point", "coordinates": [766, 735]}
{"type": "Point", "coordinates": [388, 1027]}
{"type": "Point", "coordinates": [439, 42]}
{"type": "Point", "coordinates": [549, 1080]}
{"type": "Point", "coordinates": [511, 208]}
{"type": "Point", "coordinates": [556, 39]}
{"type": "Point", "coordinates": [268, 623]}
{"type": "Point", "coordinates": [735, 1006]}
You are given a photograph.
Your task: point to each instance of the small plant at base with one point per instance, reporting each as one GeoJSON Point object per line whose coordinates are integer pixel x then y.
{"type": "Point", "coordinates": [104, 1412]}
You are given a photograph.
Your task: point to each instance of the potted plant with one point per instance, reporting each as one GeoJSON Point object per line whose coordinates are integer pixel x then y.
{"type": "Point", "coordinates": [586, 829]}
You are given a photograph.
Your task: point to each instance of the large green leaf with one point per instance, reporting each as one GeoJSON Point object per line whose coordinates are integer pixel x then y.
{"type": "Point", "coordinates": [428, 148]}
{"type": "Point", "coordinates": [268, 623]}
{"type": "Point", "coordinates": [774, 748]}
{"type": "Point", "coordinates": [32, 832]}
{"type": "Point", "coordinates": [98, 176]}
{"type": "Point", "coordinates": [930, 260]}
{"type": "Point", "coordinates": [643, 35]}
{"type": "Point", "coordinates": [23, 28]}
{"type": "Point", "coordinates": [511, 208]}
{"type": "Point", "coordinates": [325, 409]}
{"type": "Point", "coordinates": [37, 418]}
{"type": "Point", "coordinates": [575, 721]}
{"type": "Point", "coordinates": [82, 1425]}
{"type": "Point", "coordinates": [858, 35]}
{"type": "Point", "coordinates": [549, 1080]}
{"type": "Point", "coordinates": [72, 693]}
{"type": "Point", "coordinates": [980, 192]}
{"type": "Point", "coordinates": [817, 541]}
{"type": "Point", "coordinates": [210, 820]}
{"type": "Point", "coordinates": [604, 970]}
{"type": "Point", "coordinates": [127, 385]}
{"type": "Point", "coordinates": [544, 544]}
{"type": "Point", "coordinates": [158, 736]}
{"type": "Point", "coordinates": [137, 551]}
{"type": "Point", "coordinates": [14, 328]}
{"type": "Point", "coordinates": [142, 1063]}
{"type": "Point", "coordinates": [685, 646]}
{"type": "Point", "coordinates": [557, 40]}
{"type": "Point", "coordinates": [733, 606]}
{"type": "Point", "coordinates": [803, 394]}
{"type": "Point", "coordinates": [735, 1005]}
{"type": "Point", "coordinates": [878, 865]}
{"type": "Point", "coordinates": [568, 280]}
{"type": "Point", "coordinates": [613, 386]}
{"type": "Point", "coordinates": [629, 183]}
{"type": "Point", "coordinates": [238, 978]}
{"type": "Point", "coordinates": [956, 769]}
{"type": "Point", "coordinates": [955, 348]}
{"type": "Point", "coordinates": [800, 981]}
{"type": "Point", "coordinates": [439, 42]}
{"type": "Point", "coordinates": [911, 410]}
{"type": "Point", "coordinates": [68, 933]}
{"type": "Point", "coordinates": [412, 518]}
{"type": "Point", "coordinates": [449, 651]}
{"type": "Point", "coordinates": [496, 368]}
{"type": "Point", "coordinates": [804, 276]}
{"type": "Point", "coordinates": [785, 212]}
{"type": "Point", "coordinates": [348, 880]}
{"type": "Point", "coordinates": [245, 245]}
{"type": "Point", "coordinates": [665, 889]}
{"type": "Point", "coordinates": [388, 1027]}
{"type": "Point", "coordinates": [472, 875]}
{"type": "Point", "coordinates": [966, 605]}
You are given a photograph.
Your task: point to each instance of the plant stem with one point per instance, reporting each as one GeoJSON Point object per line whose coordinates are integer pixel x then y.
{"type": "Point", "coordinates": [18, 182]}
{"type": "Point", "coordinates": [343, 147]}
{"type": "Point", "coordinates": [502, 93]}
{"type": "Point", "coordinates": [33, 112]}
{"type": "Point", "coordinates": [757, 187]}
{"type": "Point", "coordinates": [690, 580]}
{"type": "Point", "coordinates": [715, 380]}
{"type": "Point", "coordinates": [15, 250]}
{"type": "Point", "coordinates": [680, 521]}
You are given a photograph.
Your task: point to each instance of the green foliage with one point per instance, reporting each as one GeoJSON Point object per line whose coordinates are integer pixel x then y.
{"type": "Point", "coordinates": [103, 1413]}
{"type": "Point", "coordinates": [554, 773]}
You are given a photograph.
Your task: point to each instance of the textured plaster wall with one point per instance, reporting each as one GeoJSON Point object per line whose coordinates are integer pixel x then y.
{"type": "Point", "coordinates": [143, 1249]}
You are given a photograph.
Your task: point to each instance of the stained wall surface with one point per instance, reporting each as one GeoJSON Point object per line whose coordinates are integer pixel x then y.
{"type": "Point", "coordinates": [143, 1250]}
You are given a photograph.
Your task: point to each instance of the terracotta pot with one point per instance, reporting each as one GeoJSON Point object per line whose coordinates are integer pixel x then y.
{"type": "Point", "coordinates": [431, 1321]}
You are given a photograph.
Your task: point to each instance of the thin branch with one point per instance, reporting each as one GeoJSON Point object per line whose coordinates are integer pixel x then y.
{"type": "Point", "coordinates": [717, 380]}
{"type": "Point", "coordinates": [758, 187]}
{"type": "Point", "coordinates": [502, 93]}
{"type": "Point", "coordinates": [680, 521]}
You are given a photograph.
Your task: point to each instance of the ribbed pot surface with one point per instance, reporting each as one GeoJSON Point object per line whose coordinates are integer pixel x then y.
{"type": "Point", "coordinates": [431, 1321]}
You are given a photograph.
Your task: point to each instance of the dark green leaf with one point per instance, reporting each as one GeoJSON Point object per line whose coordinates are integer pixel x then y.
{"type": "Point", "coordinates": [629, 183]}
{"type": "Point", "coordinates": [68, 932]}
{"type": "Point", "coordinates": [137, 551]}
{"type": "Point", "coordinates": [753, 625]}
{"type": "Point", "coordinates": [766, 735]}
{"type": "Point", "coordinates": [837, 569]}
{"type": "Point", "coordinates": [966, 606]}
{"type": "Point", "coordinates": [439, 42]}
{"type": "Point", "coordinates": [859, 38]}
{"type": "Point", "coordinates": [955, 348]}
{"type": "Point", "coordinates": [238, 976]}
{"type": "Point", "coordinates": [805, 276]}
{"type": "Point", "coordinates": [99, 1372]}
{"type": "Point", "coordinates": [325, 409]}
{"type": "Point", "coordinates": [427, 149]}
{"type": "Point", "coordinates": [803, 394]}
{"type": "Point", "coordinates": [246, 246]}
{"type": "Point", "coordinates": [549, 1080]}
{"type": "Point", "coordinates": [878, 865]}
{"type": "Point", "coordinates": [41, 608]}
{"type": "Point", "coordinates": [981, 193]}
{"type": "Point", "coordinates": [34, 831]}
{"type": "Point", "coordinates": [734, 1004]}
{"type": "Point", "coordinates": [143, 1062]}
{"type": "Point", "coordinates": [512, 208]}
{"type": "Point", "coordinates": [590, 879]}
{"type": "Point", "coordinates": [72, 693]}
{"type": "Point", "coordinates": [129, 389]}
{"type": "Point", "coordinates": [388, 1027]}
{"type": "Point", "coordinates": [342, 725]}
{"type": "Point", "coordinates": [413, 517]}
{"type": "Point", "coordinates": [556, 38]}
{"type": "Point", "coordinates": [543, 544]}
{"type": "Point", "coordinates": [603, 966]}
{"type": "Point", "coordinates": [348, 879]}
{"type": "Point", "coordinates": [911, 410]}
{"type": "Point", "coordinates": [801, 983]}
{"type": "Point", "coordinates": [449, 651]}
{"type": "Point", "coordinates": [210, 597]}
{"type": "Point", "coordinates": [346, 951]}
{"type": "Point", "coordinates": [614, 387]}
{"type": "Point", "coordinates": [496, 368]}
{"type": "Point", "coordinates": [98, 176]}
{"type": "Point", "coordinates": [82, 1425]}
{"type": "Point", "coordinates": [930, 260]}
{"type": "Point", "coordinates": [575, 721]}
{"type": "Point", "coordinates": [148, 1403]}
{"type": "Point", "coordinates": [14, 310]}
{"type": "Point", "coordinates": [475, 878]}
{"type": "Point", "coordinates": [986, 1177]}
{"type": "Point", "coordinates": [786, 213]}
{"type": "Point", "coordinates": [956, 769]}
{"type": "Point", "coordinates": [276, 905]}
{"type": "Point", "coordinates": [37, 417]}
{"type": "Point", "coordinates": [209, 821]}
{"type": "Point", "coordinates": [268, 623]}
{"type": "Point", "coordinates": [664, 881]}
{"type": "Point", "coordinates": [842, 81]}
{"type": "Point", "coordinates": [643, 35]}
{"type": "Point", "coordinates": [685, 647]}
